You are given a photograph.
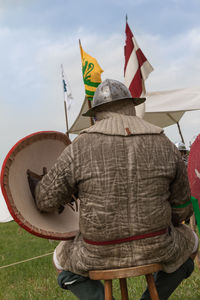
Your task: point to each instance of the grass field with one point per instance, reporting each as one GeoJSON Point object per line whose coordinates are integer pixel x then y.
{"type": "Point", "coordinates": [37, 279]}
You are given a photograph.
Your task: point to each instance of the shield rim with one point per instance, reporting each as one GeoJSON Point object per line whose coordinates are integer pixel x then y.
{"type": "Point", "coordinates": [29, 139]}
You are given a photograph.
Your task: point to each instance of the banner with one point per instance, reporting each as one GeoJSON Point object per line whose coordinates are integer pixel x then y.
{"type": "Point", "coordinates": [91, 73]}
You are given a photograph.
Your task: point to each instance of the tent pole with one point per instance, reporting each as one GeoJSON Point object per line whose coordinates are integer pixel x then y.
{"type": "Point", "coordinates": [179, 129]}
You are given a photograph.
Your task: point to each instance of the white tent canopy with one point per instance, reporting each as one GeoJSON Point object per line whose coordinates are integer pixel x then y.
{"type": "Point", "coordinates": [162, 108]}
{"type": "Point", "coordinates": [4, 213]}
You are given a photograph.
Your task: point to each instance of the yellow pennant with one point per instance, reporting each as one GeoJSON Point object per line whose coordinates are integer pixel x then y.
{"type": "Point", "coordinates": [91, 73]}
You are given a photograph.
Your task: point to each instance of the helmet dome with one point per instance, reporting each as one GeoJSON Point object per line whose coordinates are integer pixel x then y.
{"type": "Point", "coordinates": [180, 146]}
{"type": "Point", "coordinates": [110, 91]}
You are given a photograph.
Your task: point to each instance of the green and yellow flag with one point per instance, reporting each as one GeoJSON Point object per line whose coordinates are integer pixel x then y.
{"type": "Point", "coordinates": [91, 73]}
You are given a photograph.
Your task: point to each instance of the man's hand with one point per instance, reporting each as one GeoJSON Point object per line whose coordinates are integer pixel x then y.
{"type": "Point", "coordinates": [60, 209]}
{"type": "Point", "coordinates": [33, 180]}
{"type": "Point", "coordinates": [175, 221]}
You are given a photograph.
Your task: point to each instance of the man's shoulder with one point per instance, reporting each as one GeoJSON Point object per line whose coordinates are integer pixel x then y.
{"type": "Point", "coordinates": [123, 125]}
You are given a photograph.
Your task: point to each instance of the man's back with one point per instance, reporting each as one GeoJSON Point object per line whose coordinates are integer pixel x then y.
{"type": "Point", "coordinates": [124, 182]}
{"type": "Point", "coordinates": [127, 186]}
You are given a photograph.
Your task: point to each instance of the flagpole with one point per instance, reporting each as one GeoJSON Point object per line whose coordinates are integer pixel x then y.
{"type": "Point", "coordinates": [90, 106]}
{"type": "Point", "coordinates": [65, 104]}
{"type": "Point", "coordinates": [80, 49]}
{"type": "Point", "coordinates": [66, 118]}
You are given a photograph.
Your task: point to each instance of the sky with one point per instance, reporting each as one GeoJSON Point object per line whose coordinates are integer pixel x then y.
{"type": "Point", "coordinates": [36, 37]}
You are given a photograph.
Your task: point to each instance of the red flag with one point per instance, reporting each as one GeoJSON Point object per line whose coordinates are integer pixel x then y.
{"type": "Point", "coordinates": [137, 68]}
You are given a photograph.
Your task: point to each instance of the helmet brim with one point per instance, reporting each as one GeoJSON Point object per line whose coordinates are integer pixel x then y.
{"type": "Point", "coordinates": [91, 111]}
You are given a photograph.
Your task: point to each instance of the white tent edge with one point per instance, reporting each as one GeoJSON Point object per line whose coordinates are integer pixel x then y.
{"type": "Point", "coordinates": [163, 108]}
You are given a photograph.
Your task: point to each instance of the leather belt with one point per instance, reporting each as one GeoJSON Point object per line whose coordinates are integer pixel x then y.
{"type": "Point", "coordinates": [128, 239]}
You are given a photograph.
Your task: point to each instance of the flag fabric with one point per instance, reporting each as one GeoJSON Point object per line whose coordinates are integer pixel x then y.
{"type": "Point", "coordinates": [66, 89]}
{"type": "Point", "coordinates": [91, 73]}
{"type": "Point", "coordinates": [136, 68]}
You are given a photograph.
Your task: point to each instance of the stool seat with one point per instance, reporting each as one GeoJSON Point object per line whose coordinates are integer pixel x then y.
{"type": "Point", "coordinates": [122, 274]}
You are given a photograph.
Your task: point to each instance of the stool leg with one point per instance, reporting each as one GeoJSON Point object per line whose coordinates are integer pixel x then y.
{"type": "Point", "coordinates": [124, 290]}
{"type": "Point", "coordinates": [108, 289]}
{"type": "Point", "coordinates": [152, 287]}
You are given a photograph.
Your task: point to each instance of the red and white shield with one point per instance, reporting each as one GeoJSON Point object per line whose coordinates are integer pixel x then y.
{"type": "Point", "coordinates": [34, 152]}
{"type": "Point", "coordinates": [194, 169]}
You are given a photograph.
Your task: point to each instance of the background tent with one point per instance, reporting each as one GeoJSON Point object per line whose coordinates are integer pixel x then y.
{"type": "Point", "coordinates": [163, 108]}
{"type": "Point", "coordinates": [4, 213]}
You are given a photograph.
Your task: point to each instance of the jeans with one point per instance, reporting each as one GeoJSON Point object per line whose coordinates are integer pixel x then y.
{"type": "Point", "coordinates": [86, 289]}
{"type": "Point", "coordinates": [166, 283]}
{"type": "Point", "coordinates": [82, 287]}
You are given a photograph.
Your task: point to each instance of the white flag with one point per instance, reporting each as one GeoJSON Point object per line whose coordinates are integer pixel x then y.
{"type": "Point", "coordinates": [66, 89]}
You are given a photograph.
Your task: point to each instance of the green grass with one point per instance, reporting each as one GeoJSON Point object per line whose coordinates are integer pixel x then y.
{"type": "Point", "coordinates": [37, 279]}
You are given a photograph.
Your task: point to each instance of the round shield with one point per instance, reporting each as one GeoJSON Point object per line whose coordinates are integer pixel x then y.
{"type": "Point", "coordinates": [38, 150]}
{"type": "Point", "coordinates": [194, 169]}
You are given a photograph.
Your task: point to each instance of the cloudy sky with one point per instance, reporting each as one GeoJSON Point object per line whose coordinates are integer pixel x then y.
{"type": "Point", "coordinates": [36, 37]}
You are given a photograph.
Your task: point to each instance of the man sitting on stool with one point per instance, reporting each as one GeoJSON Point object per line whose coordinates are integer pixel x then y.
{"type": "Point", "coordinates": [134, 195]}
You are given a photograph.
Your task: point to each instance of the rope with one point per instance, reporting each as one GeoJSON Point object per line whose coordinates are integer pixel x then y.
{"type": "Point", "coordinates": [22, 261]}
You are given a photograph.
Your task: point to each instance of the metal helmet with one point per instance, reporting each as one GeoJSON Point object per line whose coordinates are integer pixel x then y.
{"type": "Point", "coordinates": [110, 91]}
{"type": "Point", "coordinates": [180, 146]}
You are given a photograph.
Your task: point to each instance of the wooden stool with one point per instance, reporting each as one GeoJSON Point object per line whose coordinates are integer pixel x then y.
{"type": "Point", "coordinates": [122, 274]}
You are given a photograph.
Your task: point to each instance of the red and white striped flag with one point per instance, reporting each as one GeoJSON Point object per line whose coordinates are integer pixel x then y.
{"type": "Point", "coordinates": [137, 68]}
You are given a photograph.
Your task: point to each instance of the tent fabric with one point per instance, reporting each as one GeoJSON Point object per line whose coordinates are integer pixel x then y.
{"type": "Point", "coordinates": [163, 119]}
{"type": "Point", "coordinates": [81, 122]}
{"type": "Point", "coordinates": [163, 108]}
{"type": "Point", "coordinates": [4, 213]}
